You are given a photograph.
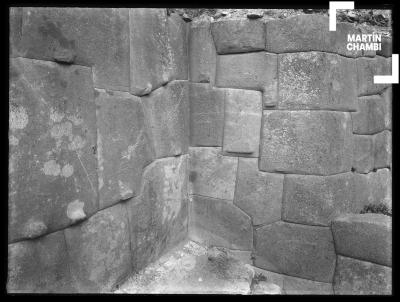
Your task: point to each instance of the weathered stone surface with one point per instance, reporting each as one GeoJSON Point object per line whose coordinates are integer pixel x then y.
{"type": "Point", "coordinates": [254, 71]}
{"type": "Point", "coordinates": [52, 140]}
{"type": "Point", "coordinates": [355, 277]}
{"type": "Point", "coordinates": [297, 250]}
{"type": "Point", "coordinates": [206, 115]}
{"type": "Point", "coordinates": [167, 113]}
{"type": "Point", "coordinates": [387, 96]}
{"type": "Point", "coordinates": [299, 286]}
{"type": "Point", "coordinates": [275, 278]}
{"type": "Point", "coordinates": [383, 150]}
{"type": "Point", "coordinates": [266, 288]}
{"type": "Point", "coordinates": [259, 194]}
{"type": "Point", "coordinates": [306, 142]}
{"type": "Point", "coordinates": [316, 200]}
{"type": "Point", "coordinates": [364, 236]}
{"type": "Point", "coordinates": [370, 116]}
{"type": "Point", "coordinates": [122, 145]}
{"type": "Point", "coordinates": [178, 31]}
{"type": "Point", "coordinates": [238, 35]}
{"type": "Point", "coordinates": [39, 266]}
{"type": "Point", "coordinates": [15, 30]}
{"type": "Point", "coordinates": [99, 250]}
{"type": "Point", "coordinates": [159, 215]}
{"type": "Point", "coordinates": [97, 37]}
{"type": "Point", "coordinates": [243, 256]}
{"type": "Point", "coordinates": [202, 53]}
{"type": "Point", "coordinates": [212, 174]}
{"type": "Point", "coordinates": [363, 153]}
{"type": "Point", "coordinates": [216, 222]}
{"type": "Point", "coordinates": [387, 47]}
{"type": "Point", "coordinates": [317, 80]}
{"type": "Point", "coordinates": [367, 69]}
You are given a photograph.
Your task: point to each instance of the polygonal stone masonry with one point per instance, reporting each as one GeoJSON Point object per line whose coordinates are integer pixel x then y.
{"type": "Point", "coordinates": [367, 69]}
{"type": "Point", "coordinates": [363, 153]}
{"type": "Point", "coordinates": [370, 116]}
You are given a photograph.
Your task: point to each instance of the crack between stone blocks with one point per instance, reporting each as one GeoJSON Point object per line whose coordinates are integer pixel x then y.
{"type": "Point", "coordinates": [321, 51]}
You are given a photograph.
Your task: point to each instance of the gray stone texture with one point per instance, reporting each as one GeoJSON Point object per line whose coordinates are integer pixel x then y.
{"type": "Point", "coordinates": [97, 37]}
{"type": "Point", "coordinates": [383, 150]}
{"type": "Point", "coordinates": [15, 31]}
{"type": "Point", "coordinates": [363, 153]}
{"type": "Point", "coordinates": [206, 115]}
{"type": "Point", "coordinates": [370, 116]}
{"type": "Point", "coordinates": [306, 142]}
{"type": "Point", "coordinates": [367, 69]}
{"type": "Point", "coordinates": [299, 286]}
{"type": "Point", "coordinates": [387, 96]}
{"type": "Point", "coordinates": [212, 174]}
{"type": "Point", "coordinates": [238, 35]}
{"type": "Point", "coordinates": [366, 237]}
{"type": "Point", "coordinates": [317, 80]}
{"type": "Point", "coordinates": [243, 111]}
{"type": "Point", "coordinates": [296, 250]}
{"type": "Point", "coordinates": [52, 140]}
{"type": "Point", "coordinates": [355, 277]}
{"type": "Point", "coordinates": [387, 47]}
{"type": "Point", "coordinates": [217, 222]}
{"type": "Point", "coordinates": [257, 193]}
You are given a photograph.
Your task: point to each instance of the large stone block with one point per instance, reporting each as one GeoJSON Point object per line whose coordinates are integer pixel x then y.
{"type": "Point", "coordinates": [306, 142]}
{"type": "Point", "coordinates": [316, 200]}
{"type": "Point", "coordinates": [299, 286]}
{"type": "Point", "coordinates": [212, 174]}
{"type": "Point", "coordinates": [363, 153]}
{"type": "Point", "coordinates": [367, 69]}
{"type": "Point", "coordinates": [217, 222]}
{"type": "Point", "coordinates": [159, 215]}
{"type": "Point", "coordinates": [123, 147]}
{"type": "Point", "coordinates": [355, 277]}
{"type": "Point", "coordinates": [97, 37]}
{"type": "Point", "coordinates": [243, 111]}
{"type": "Point", "coordinates": [206, 115]}
{"type": "Point", "coordinates": [364, 236]}
{"type": "Point", "coordinates": [238, 35]}
{"type": "Point", "coordinates": [383, 150]}
{"type": "Point", "coordinates": [202, 53]}
{"type": "Point", "coordinates": [52, 140]}
{"type": "Point", "coordinates": [15, 30]}
{"type": "Point", "coordinates": [99, 250]}
{"type": "Point", "coordinates": [167, 113]}
{"type": "Point", "coordinates": [257, 193]}
{"type": "Point", "coordinates": [317, 80]}
{"type": "Point", "coordinates": [297, 250]}
{"type": "Point", "coordinates": [254, 71]}
{"type": "Point", "coordinates": [39, 266]}
{"type": "Point", "coordinates": [370, 116]}
{"type": "Point", "coordinates": [178, 42]}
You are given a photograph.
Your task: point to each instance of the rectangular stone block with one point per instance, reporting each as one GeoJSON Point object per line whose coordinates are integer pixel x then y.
{"type": "Point", "coordinates": [370, 116]}
{"type": "Point", "coordinates": [99, 250]}
{"type": "Point", "coordinates": [317, 80]}
{"type": "Point", "coordinates": [216, 222]}
{"type": "Point", "coordinates": [367, 69]}
{"type": "Point", "coordinates": [206, 115]}
{"type": "Point", "coordinates": [167, 114]}
{"type": "Point", "coordinates": [123, 147]}
{"type": "Point", "coordinates": [296, 250]}
{"type": "Point", "coordinates": [366, 237]}
{"type": "Point", "coordinates": [52, 140]}
{"type": "Point", "coordinates": [363, 153]}
{"type": "Point", "coordinates": [178, 42]}
{"type": "Point", "coordinates": [212, 174]}
{"type": "Point", "coordinates": [306, 142]}
{"type": "Point", "coordinates": [15, 35]}
{"type": "Point", "coordinates": [257, 193]}
{"type": "Point", "coordinates": [383, 150]}
{"type": "Point", "coordinates": [97, 37]}
{"type": "Point", "coordinates": [243, 111]}
{"type": "Point", "coordinates": [238, 35]}
{"type": "Point", "coordinates": [355, 277]}
{"type": "Point", "coordinates": [202, 53]}
{"type": "Point", "coordinates": [253, 71]}
{"type": "Point", "coordinates": [299, 286]}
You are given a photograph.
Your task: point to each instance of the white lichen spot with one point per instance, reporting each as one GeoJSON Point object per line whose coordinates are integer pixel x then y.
{"type": "Point", "coordinates": [51, 168]}
{"type": "Point", "coordinates": [77, 143]}
{"type": "Point", "coordinates": [75, 211]}
{"type": "Point", "coordinates": [18, 118]}
{"type": "Point", "coordinates": [67, 170]}
{"type": "Point", "coordinates": [13, 140]}
{"type": "Point", "coordinates": [124, 190]}
{"type": "Point", "coordinates": [55, 116]}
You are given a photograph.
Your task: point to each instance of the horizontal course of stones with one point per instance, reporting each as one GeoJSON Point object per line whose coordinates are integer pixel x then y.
{"type": "Point", "coordinates": [287, 134]}
{"type": "Point", "coordinates": [99, 135]}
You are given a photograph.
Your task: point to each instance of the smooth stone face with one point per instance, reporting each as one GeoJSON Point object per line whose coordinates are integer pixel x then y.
{"type": "Point", "coordinates": [52, 140]}
{"type": "Point", "coordinates": [367, 69]}
{"type": "Point", "coordinates": [167, 114]}
{"type": "Point", "coordinates": [316, 200]}
{"type": "Point", "coordinates": [178, 41]}
{"type": "Point", "coordinates": [212, 174]}
{"type": "Point", "coordinates": [202, 54]}
{"type": "Point", "coordinates": [387, 96]}
{"type": "Point", "coordinates": [122, 146]}
{"type": "Point", "coordinates": [370, 116]}
{"type": "Point", "coordinates": [39, 266]}
{"type": "Point", "coordinates": [383, 150]}
{"type": "Point", "coordinates": [238, 35]}
{"type": "Point", "coordinates": [243, 111]}
{"type": "Point", "coordinates": [387, 47]}
{"type": "Point", "coordinates": [363, 153]}
{"type": "Point", "coordinates": [99, 250]}
{"type": "Point", "coordinates": [206, 115]}
{"type": "Point", "coordinates": [297, 250]}
{"type": "Point", "coordinates": [317, 80]}
{"type": "Point", "coordinates": [97, 37]}
{"type": "Point", "coordinates": [15, 14]}
{"type": "Point", "coordinates": [299, 286]}
{"type": "Point", "coordinates": [217, 222]}
{"type": "Point", "coordinates": [253, 71]}
{"type": "Point", "coordinates": [259, 194]}
{"type": "Point", "coordinates": [306, 142]}
{"type": "Point", "coordinates": [355, 277]}
{"type": "Point", "coordinates": [366, 237]}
